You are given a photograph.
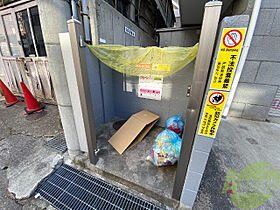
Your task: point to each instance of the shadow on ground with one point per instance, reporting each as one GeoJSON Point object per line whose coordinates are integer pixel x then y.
{"type": "Point", "coordinates": [239, 143]}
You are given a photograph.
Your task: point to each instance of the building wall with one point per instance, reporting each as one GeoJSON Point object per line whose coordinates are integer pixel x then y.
{"type": "Point", "coordinates": [119, 91]}
{"type": "Point", "coordinates": [110, 28]}
{"type": "Point", "coordinates": [111, 25]}
{"type": "Point", "coordinates": [107, 27]}
{"type": "Point", "coordinates": [260, 77]}
{"type": "Point", "coordinates": [174, 100]}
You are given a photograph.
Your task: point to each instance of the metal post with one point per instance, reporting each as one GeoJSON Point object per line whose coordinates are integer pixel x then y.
{"type": "Point", "coordinates": [75, 14]}
{"type": "Point", "coordinates": [75, 31]}
{"type": "Point", "coordinates": [201, 71]}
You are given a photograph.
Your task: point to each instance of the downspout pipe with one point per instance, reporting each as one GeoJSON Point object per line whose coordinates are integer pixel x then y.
{"type": "Point", "coordinates": [243, 57]}
{"type": "Point", "coordinates": [74, 10]}
{"type": "Point", "coordinates": [86, 22]}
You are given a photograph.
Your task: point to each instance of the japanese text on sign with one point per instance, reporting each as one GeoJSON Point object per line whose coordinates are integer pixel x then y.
{"type": "Point", "coordinates": [129, 31]}
{"type": "Point", "coordinates": [212, 113]}
{"type": "Point", "coordinates": [150, 87]}
{"type": "Point", "coordinates": [154, 67]}
{"type": "Point", "coordinates": [227, 59]}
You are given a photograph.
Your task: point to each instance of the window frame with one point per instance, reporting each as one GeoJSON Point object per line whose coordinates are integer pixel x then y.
{"type": "Point", "coordinates": [12, 12]}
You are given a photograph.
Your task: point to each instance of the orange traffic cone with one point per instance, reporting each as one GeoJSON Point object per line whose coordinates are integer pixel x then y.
{"type": "Point", "coordinates": [32, 104]}
{"type": "Point", "coordinates": [9, 96]}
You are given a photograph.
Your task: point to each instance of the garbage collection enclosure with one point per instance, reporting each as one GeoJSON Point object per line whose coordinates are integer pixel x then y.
{"type": "Point", "coordinates": [115, 94]}
{"type": "Point", "coordinates": [115, 97]}
{"type": "Point", "coordinates": [128, 116]}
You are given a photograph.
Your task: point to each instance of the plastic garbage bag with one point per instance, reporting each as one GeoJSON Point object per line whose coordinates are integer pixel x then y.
{"type": "Point", "coordinates": [166, 149]}
{"type": "Point", "coordinates": [175, 124]}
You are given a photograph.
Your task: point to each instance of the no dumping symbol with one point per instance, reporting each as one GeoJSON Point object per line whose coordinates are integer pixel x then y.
{"type": "Point", "coordinates": [232, 38]}
{"type": "Point", "coordinates": [216, 98]}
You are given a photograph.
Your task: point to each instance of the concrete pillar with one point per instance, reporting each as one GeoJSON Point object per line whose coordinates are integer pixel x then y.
{"type": "Point", "coordinates": [202, 144]}
{"type": "Point", "coordinates": [53, 16]}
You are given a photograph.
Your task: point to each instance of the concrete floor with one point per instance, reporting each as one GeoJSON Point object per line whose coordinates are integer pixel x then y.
{"type": "Point", "coordinates": [22, 150]}
{"type": "Point", "coordinates": [131, 165]}
{"type": "Point", "coordinates": [24, 161]}
{"type": "Point", "coordinates": [239, 143]}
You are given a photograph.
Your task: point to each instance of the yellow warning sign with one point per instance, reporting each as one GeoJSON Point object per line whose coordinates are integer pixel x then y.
{"type": "Point", "coordinates": [212, 113]}
{"type": "Point", "coordinates": [161, 67]}
{"type": "Point", "coordinates": [227, 59]}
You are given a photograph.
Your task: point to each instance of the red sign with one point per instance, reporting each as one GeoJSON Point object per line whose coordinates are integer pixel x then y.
{"type": "Point", "coordinates": [232, 38]}
{"type": "Point", "coordinates": [216, 98]}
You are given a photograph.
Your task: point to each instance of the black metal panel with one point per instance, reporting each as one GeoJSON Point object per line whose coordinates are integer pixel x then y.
{"type": "Point", "coordinates": [191, 11]}
{"type": "Point", "coordinates": [69, 188]}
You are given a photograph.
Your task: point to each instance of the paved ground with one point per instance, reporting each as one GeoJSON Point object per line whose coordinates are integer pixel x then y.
{"type": "Point", "coordinates": [239, 143]}
{"type": "Point", "coordinates": [131, 165]}
{"type": "Point", "coordinates": [23, 158]}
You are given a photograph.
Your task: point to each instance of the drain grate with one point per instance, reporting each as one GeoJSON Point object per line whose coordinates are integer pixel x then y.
{"type": "Point", "coordinates": [275, 107]}
{"type": "Point", "coordinates": [57, 143]}
{"type": "Point", "coordinates": [69, 188]}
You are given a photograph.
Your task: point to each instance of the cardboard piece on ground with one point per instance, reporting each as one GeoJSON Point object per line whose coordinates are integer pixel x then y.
{"type": "Point", "coordinates": [133, 131]}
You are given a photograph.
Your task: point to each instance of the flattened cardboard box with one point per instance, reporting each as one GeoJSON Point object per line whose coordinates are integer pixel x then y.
{"type": "Point", "coordinates": [133, 131]}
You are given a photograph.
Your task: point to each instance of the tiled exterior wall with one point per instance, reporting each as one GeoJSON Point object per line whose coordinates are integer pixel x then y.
{"type": "Point", "coordinates": [260, 78]}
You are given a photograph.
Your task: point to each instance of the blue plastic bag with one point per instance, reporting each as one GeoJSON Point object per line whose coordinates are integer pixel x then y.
{"type": "Point", "coordinates": [166, 149]}
{"type": "Point", "coordinates": [175, 124]}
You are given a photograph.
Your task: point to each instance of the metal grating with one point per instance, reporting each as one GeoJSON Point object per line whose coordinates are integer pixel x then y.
{"type": "Point", "coordinates": [69, 188]}
{"type": "Point", "coordinates": [57, 143]}
{"type": "Point", "coordinates": [275, 107]}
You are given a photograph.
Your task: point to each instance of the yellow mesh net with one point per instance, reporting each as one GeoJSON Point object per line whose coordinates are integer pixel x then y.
{"type": "Point", "coordinates": [138, 61]}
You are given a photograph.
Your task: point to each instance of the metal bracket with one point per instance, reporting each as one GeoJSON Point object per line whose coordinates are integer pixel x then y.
{"type": "Point", "coordinates": [96, 151]}
{"type": "Point", "coordinates": [82, 43]}
{"type": "Point", "coordinates": [84, 14]}
{"type": "Point", "coordinates": [189, 91]}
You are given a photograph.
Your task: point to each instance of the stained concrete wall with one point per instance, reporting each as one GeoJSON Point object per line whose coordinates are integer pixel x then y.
{"type": "Point", "coordinates": [260, 77]}
{"type": "Point", "coordinates": [95, 88]}
{"type": "Point", "coordinates": [174, 100]}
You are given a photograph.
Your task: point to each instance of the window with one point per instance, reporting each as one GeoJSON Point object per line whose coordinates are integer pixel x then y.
{"type": "Point", "coordinates": [20, 32]}
{"type": "Point", "coordinates": [25, 33]}
{"type": "Point", "coordinates": [34, 13]}
{"type": "Point", "coordinates": [26, 19]}
{"type": "Point", "coordinates": [11, 35]}
{"type": "Point", "coordinates": [3, 43]}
